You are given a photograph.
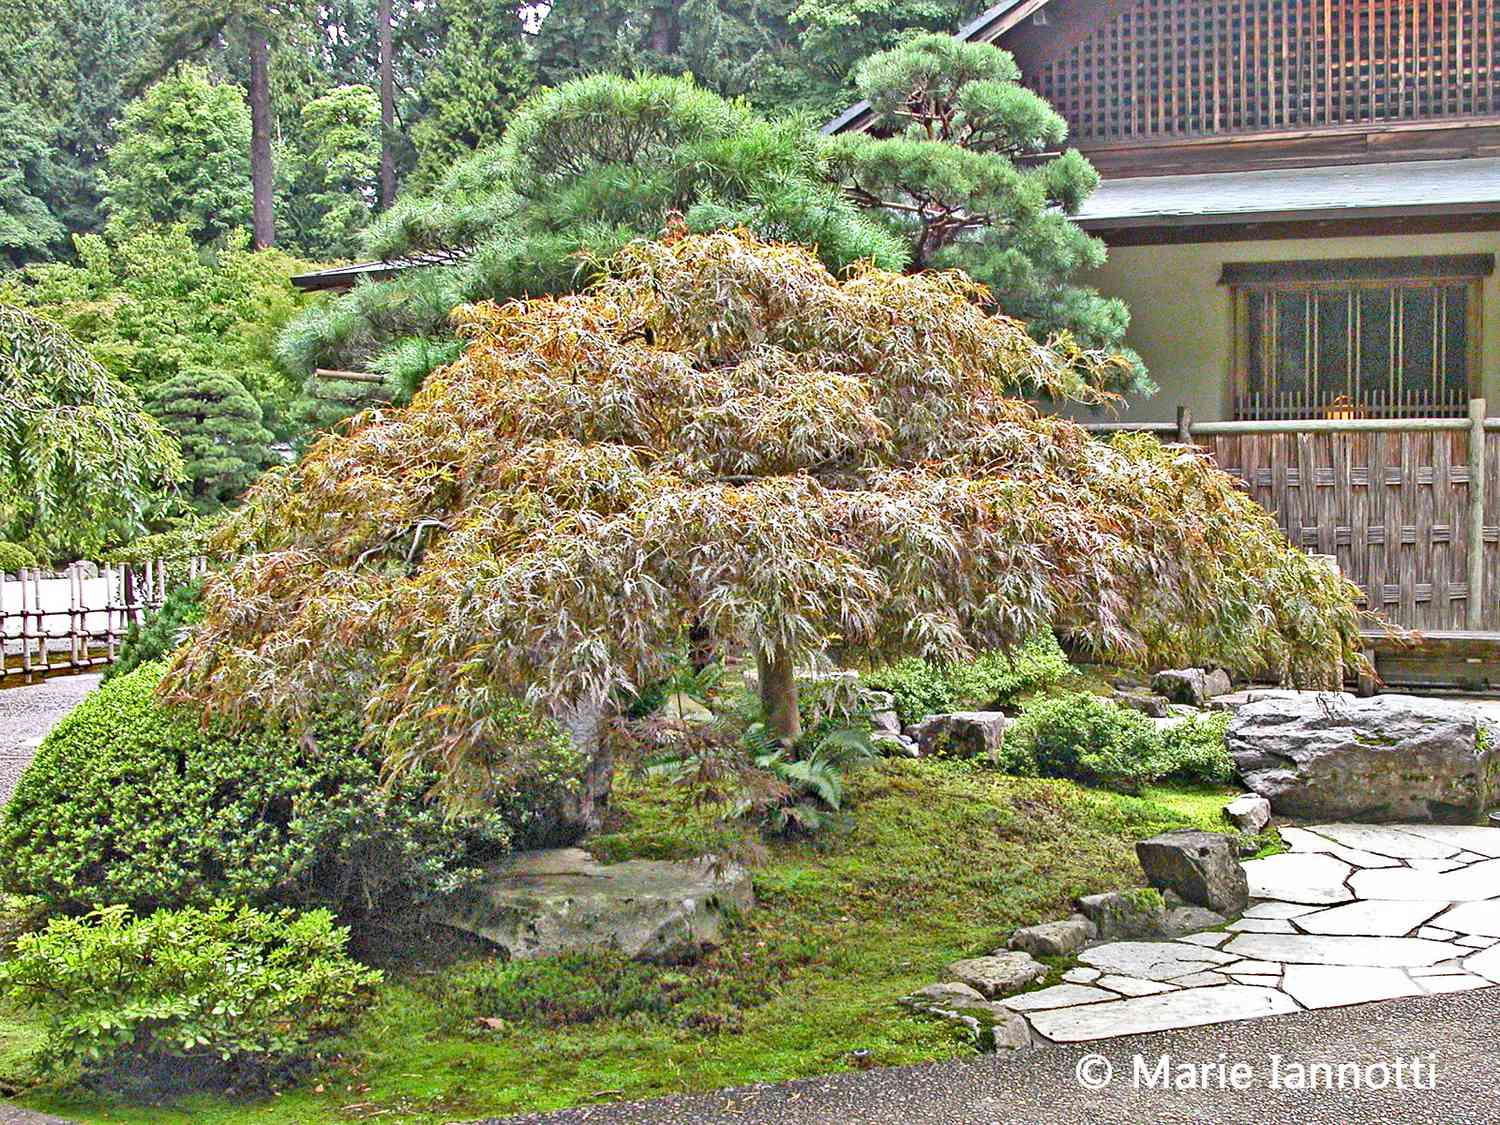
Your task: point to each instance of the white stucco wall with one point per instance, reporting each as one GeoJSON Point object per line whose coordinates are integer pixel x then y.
{"type": "Point", "coordinates": [1181, 317]}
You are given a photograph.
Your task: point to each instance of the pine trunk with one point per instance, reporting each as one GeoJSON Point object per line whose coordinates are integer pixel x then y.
{"type": "Point", "coordinates": [262, 171]}
{"type": "Point", "coordinates": [778, 695]}
{"type": "Point", "coordinates": [387, 109]}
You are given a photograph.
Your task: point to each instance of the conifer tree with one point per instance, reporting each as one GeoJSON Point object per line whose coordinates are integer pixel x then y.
{"type": "Point", "coordinates": [218, 424]}
{"type": "Point", "coordinates": [964, 163]}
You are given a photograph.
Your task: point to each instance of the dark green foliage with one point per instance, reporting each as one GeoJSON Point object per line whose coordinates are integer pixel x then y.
{"type": "Point", "coordinates": [218, 424]}
{"type": "Point", "coordinates": [992, 680]}
{"type": "Point", "coordinates": [558, 991]}
{"type": "Point", "coordinates": [1087, 738]}
{"type": "Point", "coordinates": [479, 75]}
{"type": "Point", "coordinates": [129, 801]}
{"type": "Point", "coordinates": [14, 558]}
{"type": "Point", "coordinates": [183, 1000]}
{"type": "Point", "coordinates": [161, 633]}
{"type": "Point", "coordinates": [582, 170]}
{"type": "Point", "coordinates": [955, 121]}
{"type": "Point", "coordinates": [1196, 751]}
{"type": "Point", "coordinates": [29, 231]}
{"type": "Point", "coordinates": [183, 157]}
{"type": "Point", "coordinates": [1090, 739]}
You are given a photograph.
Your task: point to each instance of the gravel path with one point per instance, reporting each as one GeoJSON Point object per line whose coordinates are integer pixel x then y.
{"type": "Point", "coordinates": [27, 713]}
{"type": "Point", "coordinates": [1453, 1034]}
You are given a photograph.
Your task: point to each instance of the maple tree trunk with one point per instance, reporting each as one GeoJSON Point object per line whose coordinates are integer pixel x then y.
{"type": "Point", "coordinates": [778, 695]}
{"type": "Point", "coordinates": [262, 172]}
{"type": "Point", "coordinates": [387, 109]}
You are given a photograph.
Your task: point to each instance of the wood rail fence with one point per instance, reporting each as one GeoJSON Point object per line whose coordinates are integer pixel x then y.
{"type": "Point", "coordinates": [76, 619]}
{"type": "Point", "coordinates": [1410, 507]}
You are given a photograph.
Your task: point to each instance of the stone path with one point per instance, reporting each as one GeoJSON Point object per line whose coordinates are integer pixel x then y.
{"type": "Point", "coordinates": [1352, 913]}
{"type": "Point", "coordinates": [27, 713]}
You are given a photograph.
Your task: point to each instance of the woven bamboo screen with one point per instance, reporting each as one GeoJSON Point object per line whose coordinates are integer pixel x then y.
{"type": "Point", "coordinates": [1173, 67]}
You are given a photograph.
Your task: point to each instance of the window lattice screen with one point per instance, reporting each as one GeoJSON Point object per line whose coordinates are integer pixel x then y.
{"type": "Point", "coordinates": [1161, 67]}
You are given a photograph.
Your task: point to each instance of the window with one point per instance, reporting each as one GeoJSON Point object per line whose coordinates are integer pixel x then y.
{"type": "Point", "coordinates": [1367, 338]}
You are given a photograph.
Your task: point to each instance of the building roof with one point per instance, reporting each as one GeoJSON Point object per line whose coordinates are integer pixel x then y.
{"type": "Point", "coordinates": [343, 277]}
{"type": "Point", "coordinates": [1355, 191]}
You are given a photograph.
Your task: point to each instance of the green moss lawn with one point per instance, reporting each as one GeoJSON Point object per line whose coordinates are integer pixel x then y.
{"type": "Point", "coordinates": [938, 861]}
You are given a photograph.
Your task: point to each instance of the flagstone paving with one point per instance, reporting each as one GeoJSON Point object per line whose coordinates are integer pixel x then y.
{"type": "Point", "coordinates": [1353, 913]}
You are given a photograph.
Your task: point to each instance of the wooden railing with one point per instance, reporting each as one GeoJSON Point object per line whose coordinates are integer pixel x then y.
{"type": "Point", "coordinates": [1410, 507]}
{"type": "Point", "coordinates": [75, 619]}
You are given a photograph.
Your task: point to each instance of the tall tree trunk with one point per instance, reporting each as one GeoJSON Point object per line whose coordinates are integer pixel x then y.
{"type": "Point", "coordinates": [778, 695]}
{"type": "Point", "coordinates": [262, 171]}
{"type": "Point", "coordinates": [387, 109]}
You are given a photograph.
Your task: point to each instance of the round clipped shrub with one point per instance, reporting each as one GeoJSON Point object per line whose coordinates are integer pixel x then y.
{"type": "Point", "coordinates": [1087, 738]}
{"type": "Point", "coordinates": [992, 680]}
{"type": "Point", "coordinates": [131, 801]}
{"type": "Point", "coordinates": [184, 999]}
{"type": "Point", "coordinates": [14, 558]}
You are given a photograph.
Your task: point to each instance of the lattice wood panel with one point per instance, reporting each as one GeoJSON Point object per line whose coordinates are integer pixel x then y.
{"type": "Point", "coordinates": [1389, 506]}
{"type": "Point", "coordinates": [1178, 68]}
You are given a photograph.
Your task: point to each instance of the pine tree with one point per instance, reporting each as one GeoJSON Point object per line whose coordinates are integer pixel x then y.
{"type": "Point", "coordinates": [217, 422]}
{"type": "Point", "coordinates": [965, 166]}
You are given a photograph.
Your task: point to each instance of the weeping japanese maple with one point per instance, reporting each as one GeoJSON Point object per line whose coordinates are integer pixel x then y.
{"type": "Point", "coordinates": [718, 432]}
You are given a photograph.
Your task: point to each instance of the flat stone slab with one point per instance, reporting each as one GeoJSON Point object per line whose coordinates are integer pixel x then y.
{"type": "Point", "coordinates": [1210, 940]}
{"type": "Point", "coordinates": [1485, 964]}
{"type": "Point", "coordinates": [1058, 996]}
{"type": "Point", "coordinates": [1334, 986]}
{"type": "Point", "coordinates": [1301, 840]}
{"type": "Point", "coordinates": [541, 903]}
{"type": "Point", "coordinates": [1392, 842]}
{"type": "Point", "coordinates": [1132, 986]}
{"type": "Point", "coordinates": [1188, 1007]}
{"type": "Point", "coordinates": [1456, 983]}
{"type": "Point", "coordinates": [1280, 910]}
{"type": "Point", "coordinates": [1153, 960]}
{"type": "Point", "coordinates": [1364, 952]}
{"type": "Point", "coordinates": [1471, 838]}
{"type": "Point", "coordinates": [1468, 884]}
{"type": "Point", "coordinates": [1309, 877]}
{"type": "Point", "coordinates": [1372, 918]}
{"type": "Point", "coordinates": [998, 974]}
{"type": "Point", "coordinates": [1478, 919]}
{"type": "Point", "coordinates": [1262, 926]}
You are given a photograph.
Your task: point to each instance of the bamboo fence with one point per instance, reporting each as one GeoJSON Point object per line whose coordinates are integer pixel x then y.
{"type": "Point", "coordinates": [75, 619]}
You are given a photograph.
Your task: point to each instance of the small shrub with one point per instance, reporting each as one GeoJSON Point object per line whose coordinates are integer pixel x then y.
{"type": "Point", "coordinates": [130, 801]}
{"type": "Point", "coordinates": [991, 680]}
{"type": "Point", "coordinates": [161, 632]}
{"type": "Point", "coordinates": [19, 914]}
{"type": "Point", "coordinates": [183, 999]}
{"type": "Point", "coordinates": [1196, 751]}
{"type": "Point", "coordinates": [1087, 738]}
{"type": "Point", "coordinates": [15, 558]}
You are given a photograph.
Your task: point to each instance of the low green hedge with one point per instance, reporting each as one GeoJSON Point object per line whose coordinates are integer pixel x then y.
{"type": "Point", "coordinates": [1090, 739]}
{"type": "Point", "coordinates": [991, 680]}
{"type": "Point", "coordinates": [130, 801]}
{"type": "Point", "coordinates": [185, 999]}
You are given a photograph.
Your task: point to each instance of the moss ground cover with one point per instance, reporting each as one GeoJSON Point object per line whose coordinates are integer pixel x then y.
{"type": "Point", "coordinates": [939, 861]}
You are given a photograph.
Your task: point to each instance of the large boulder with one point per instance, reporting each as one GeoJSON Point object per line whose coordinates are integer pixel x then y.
{"type": "Point", "coordinates": [962, 734]}
{"type": "Point", "coordinates": [541, 903]}
{"type": "Point", "coordinates": [1194, 686]}
{"type": "Point", "coordinates": [1203, 867]}
{"type": "Point", "coordinates": [1332, 756]}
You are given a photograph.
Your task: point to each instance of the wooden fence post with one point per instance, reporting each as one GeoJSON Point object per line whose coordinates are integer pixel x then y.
{"type": "Point", "coordinates": [1475, 603]}
{"type": "Point", "coordinates": [1184, 426]}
